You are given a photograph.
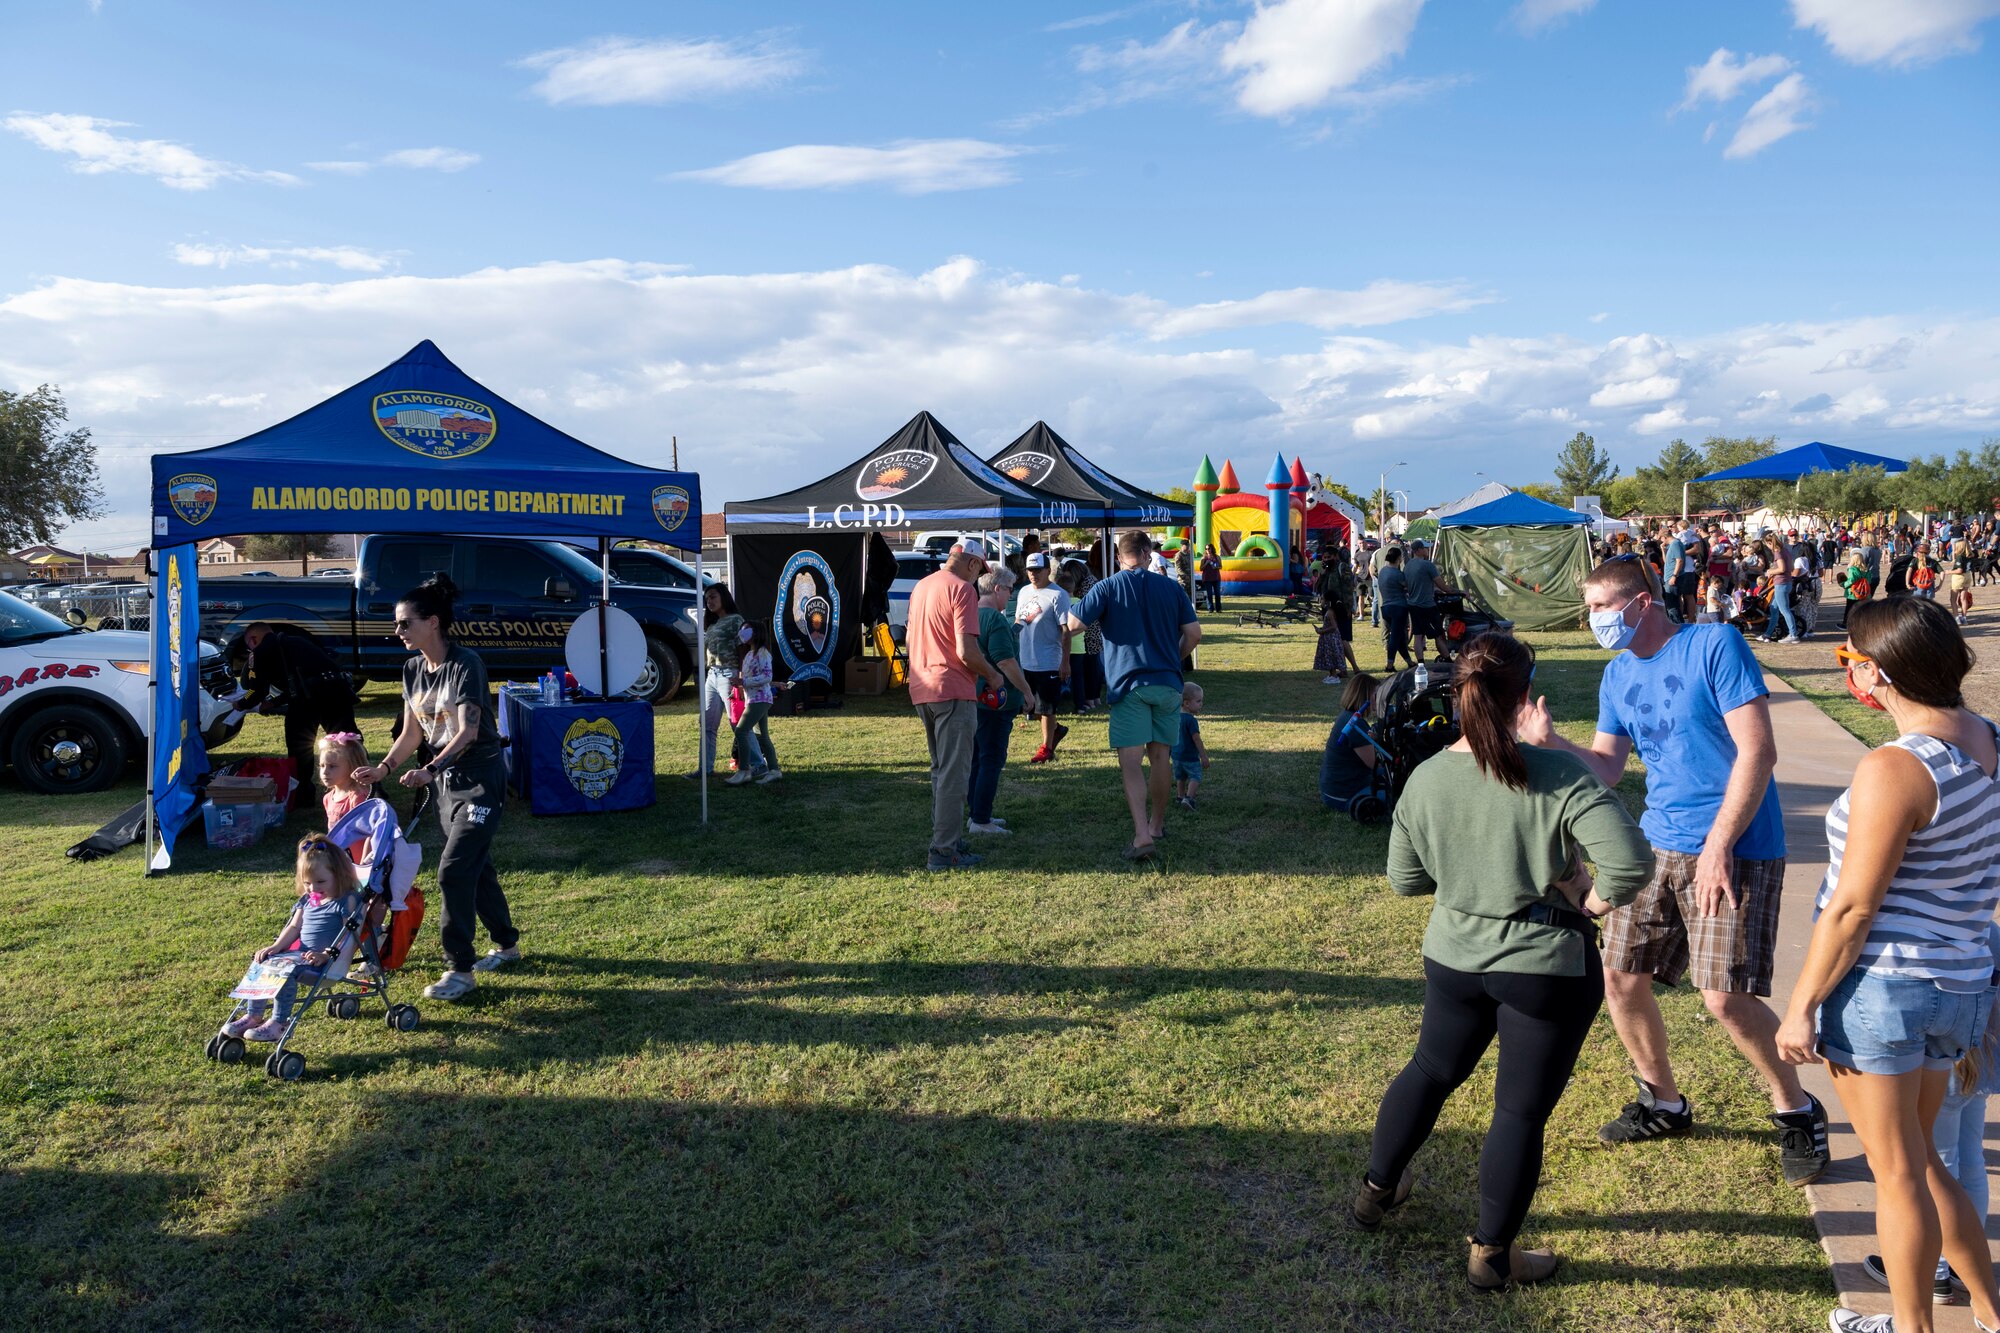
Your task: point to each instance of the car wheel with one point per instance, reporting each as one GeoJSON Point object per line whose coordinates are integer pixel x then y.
{"type": "Point", "coordinates": [660, 679]}
{"type": "Point", "coordinates": [68, 748]}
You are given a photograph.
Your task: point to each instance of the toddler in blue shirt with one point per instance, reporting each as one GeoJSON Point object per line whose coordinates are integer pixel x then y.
{"type": "Point", "coordinates": [1189, 754]}
{"type": "Point", "coordinates": [311, 938]}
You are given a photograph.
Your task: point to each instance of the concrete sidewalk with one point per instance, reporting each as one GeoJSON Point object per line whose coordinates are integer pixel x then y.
{"type": "Point", "coordinates": [1816, 760]}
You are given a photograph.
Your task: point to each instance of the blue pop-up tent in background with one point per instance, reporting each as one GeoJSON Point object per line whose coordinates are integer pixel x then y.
{"type": "Point", "coordinates": [419, 446]}
{"type": "Point", "coordinates": [1793, 464]}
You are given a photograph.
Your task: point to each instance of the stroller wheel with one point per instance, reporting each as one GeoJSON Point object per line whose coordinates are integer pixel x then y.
{"type": "Point", "coordinates": [214, 1044]}
{"type": "Point", "coordinates": [344, 1006]}
{"type": "Point", "coordinates": [404, 1017]}
{"type": "Point", "coordinates": [289, 1066]}
{"type": "Point", "coordinates": [1368, 808]}
{"type": "Point", "coordinates": [229, 1050]}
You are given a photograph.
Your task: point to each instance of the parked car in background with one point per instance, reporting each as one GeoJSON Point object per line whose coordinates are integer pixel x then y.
{"type": "Point", "coordinates": [910, 566]}
{"type": "Point", "coordinates": [941, 542]}
{"type": "Point", "coordinates": [73, 702]}
{"type": "Point", "coordinates": [334, 572]}
{"type": "Point", "coordinates": [644, 567]}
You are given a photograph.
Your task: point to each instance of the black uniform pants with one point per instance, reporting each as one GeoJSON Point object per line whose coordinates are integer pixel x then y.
{"type": "Point", "coordinates": [469, 810]}
{"type": "Point", "coordinates": [327, 705]}
{"type": "Point", "coordinates": [1541, 1022]}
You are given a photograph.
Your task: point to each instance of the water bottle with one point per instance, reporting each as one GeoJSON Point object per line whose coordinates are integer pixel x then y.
{"type": "Point", "coordinates": [550, 689]}
{"type": "Point", "coordinates": [1422, 680]}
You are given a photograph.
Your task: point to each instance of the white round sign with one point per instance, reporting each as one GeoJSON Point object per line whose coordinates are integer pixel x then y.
{"type": "Point", "coordinates": [627, 656]}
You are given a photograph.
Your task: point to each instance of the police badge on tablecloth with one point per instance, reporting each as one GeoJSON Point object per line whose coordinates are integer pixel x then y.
{"type": "Point", "coordinates": [592, 754]}
{"type": "Point", "coordinates": [805, 619]}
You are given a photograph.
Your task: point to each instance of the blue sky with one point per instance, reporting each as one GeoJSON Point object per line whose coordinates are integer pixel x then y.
{"type": "Point", "coordinates": [1357, 230]}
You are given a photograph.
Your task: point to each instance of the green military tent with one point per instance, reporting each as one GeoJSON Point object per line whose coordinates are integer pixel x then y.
{"type": "Point", "coordinates": [1524, 559]}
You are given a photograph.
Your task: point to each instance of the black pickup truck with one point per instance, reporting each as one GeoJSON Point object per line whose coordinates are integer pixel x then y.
{"type": "Point", "coordinates": [517, 600]}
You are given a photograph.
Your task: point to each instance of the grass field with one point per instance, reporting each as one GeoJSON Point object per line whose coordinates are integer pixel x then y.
{"type": "Point", "coordinates": [772, 1075]}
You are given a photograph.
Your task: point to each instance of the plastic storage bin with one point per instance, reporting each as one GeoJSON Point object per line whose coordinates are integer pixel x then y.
{"type": "Point", "coordinates": [232, 826]}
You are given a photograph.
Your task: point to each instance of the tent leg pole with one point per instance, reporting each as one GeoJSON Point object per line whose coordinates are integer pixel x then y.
{"type": "Point", "coordinates": [603, 617]}
{"type": "Point", "coordinates": [152, 720]}
{"type": "Point", "coordinates": [1684, 500]}
{"type": "Point", "coordinates": [701, 673]}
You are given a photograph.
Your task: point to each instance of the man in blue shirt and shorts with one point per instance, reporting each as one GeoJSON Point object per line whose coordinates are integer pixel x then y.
{"type": "Point", "coordinates": [1149, 628]}
{"type": "Point", "coordinates": [1692, 699]}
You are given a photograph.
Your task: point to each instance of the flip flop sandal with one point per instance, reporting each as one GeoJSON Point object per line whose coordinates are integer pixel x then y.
{"type": "Point", "coordinates": [1137, 853]}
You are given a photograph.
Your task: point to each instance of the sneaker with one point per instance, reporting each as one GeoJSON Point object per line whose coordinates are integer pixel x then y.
{"type": "Point", "coordinates": [1329, 680]}
{"type": "Point", "coordinates": [1795, 638]}
{"type": "Point", "coordinates": [496, 959]}
{"type": "Point", "coordinates": [956, 861]}
{"type": "Point", "coordinates": [990, 826]}
{"type": "Point", "coordinates": [1643, 1119]}
{"type": "Point", "coordinates": [237, 1027]}
{"type": "Point", "coordinates": [269, 1031]}
{"type": "Point", "coordinates": [1040, 756]}
{"type": "Point", "coordinates": [740, 778]}
{"type": "Point", "coordinates": [1802, 1153]}
{"type": "Point", "coordinates": [1186, 803]}
{"type": "Point", "coordinates": [363, 971]}
{"type": "Point", "coordinates": [1844, 1320]}
{"type": "Point", "coordinates": [1942, 1290]}
{"type": "Point", "coordinates": [451, 986]}
{"type": "Point", "coordinates": [692, 775]}
{"type": "Point", "coordinates": [768, 776]}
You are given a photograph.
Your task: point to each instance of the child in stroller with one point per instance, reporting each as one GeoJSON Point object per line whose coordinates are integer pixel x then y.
{"type": "Point", "coordinates": [342, 910]}
{"type": "Point", "coordinates": [1415, 716]}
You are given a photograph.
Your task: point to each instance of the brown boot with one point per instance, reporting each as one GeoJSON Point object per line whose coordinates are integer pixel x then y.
{"type": "Point", "coordinates": [1372, 1204]}
{"type": "Point", "coordinates": [1494, 1268]}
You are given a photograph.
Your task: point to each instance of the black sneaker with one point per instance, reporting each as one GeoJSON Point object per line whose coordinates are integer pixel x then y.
{"type": "Point", "coordinates": [1942, 1291]}
{"type": "Point", "coordinates": [1802, 1153]}
{"type": "Point", "coordinates": [1644, 1119]}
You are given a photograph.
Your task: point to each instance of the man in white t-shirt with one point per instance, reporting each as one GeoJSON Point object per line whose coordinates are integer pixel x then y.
{"type": "Point", "coordinates": [1039, 612]}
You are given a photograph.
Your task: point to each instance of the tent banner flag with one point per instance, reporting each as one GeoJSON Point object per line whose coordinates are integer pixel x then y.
{"type": "Point", "coordinates": [179, 758]}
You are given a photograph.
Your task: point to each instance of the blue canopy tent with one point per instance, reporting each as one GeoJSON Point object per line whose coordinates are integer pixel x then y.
{"type": "Point", "coordinates": [419, 446]}
{"type": "Point", "coordinates": [1793, 464]}
{"type": "Point", "coordinates": [1523, 558]}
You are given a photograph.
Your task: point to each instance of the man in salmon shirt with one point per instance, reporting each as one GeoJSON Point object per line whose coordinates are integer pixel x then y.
{"type": "Point", "coordinates": [943, 642]}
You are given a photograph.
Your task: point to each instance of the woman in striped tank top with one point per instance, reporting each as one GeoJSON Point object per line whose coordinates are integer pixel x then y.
{"type": "Point", "coordinates": [1900, 966]}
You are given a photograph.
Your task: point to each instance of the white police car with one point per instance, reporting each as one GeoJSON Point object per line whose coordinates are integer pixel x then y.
{"type": "Point", "coordinates": [73, 708]}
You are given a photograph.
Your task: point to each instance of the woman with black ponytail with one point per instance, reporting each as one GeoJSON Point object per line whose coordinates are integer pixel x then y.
{"type": "Point", "coordinates": [448, 713]}
{"type": "Point", "coordinates": [1498, 832]}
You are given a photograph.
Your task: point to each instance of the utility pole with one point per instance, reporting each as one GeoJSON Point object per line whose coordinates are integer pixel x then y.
{"type": "Point", "coordinates": [677, 451]}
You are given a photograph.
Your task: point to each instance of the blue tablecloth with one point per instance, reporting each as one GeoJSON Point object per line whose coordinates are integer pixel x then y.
{"type": "Point", "coordinates": [579, 758]}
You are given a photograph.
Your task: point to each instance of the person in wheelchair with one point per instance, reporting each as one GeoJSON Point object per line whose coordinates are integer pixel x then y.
{"type": "Point", "coordinates": [1347, 768]}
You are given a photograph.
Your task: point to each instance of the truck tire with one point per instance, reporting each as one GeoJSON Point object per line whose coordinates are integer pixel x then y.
{"type": "Point", "coordinates": [660, 680]}
{"type": "Point", "coordinates": [68, 748]}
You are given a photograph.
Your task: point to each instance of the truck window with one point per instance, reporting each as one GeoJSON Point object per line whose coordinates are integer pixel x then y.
{"type": "Point", "coordinates": [518, 570]}
{"type": "Point", "coordinates": [401, 566]}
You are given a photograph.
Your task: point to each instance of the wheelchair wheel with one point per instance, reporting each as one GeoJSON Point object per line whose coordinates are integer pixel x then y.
{"type": "Point", "coordinates": [1368, 808]}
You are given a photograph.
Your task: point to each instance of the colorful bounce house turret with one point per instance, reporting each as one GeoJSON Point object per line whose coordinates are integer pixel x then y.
{"type": "Point", "coordinates": [1261, 538]}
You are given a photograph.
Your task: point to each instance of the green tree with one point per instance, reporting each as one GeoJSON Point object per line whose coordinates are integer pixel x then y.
{"type": "Point", "coordinates": [1859, 490]}
{"type": "Point", "coordinates": [1583, 469]}
{"type": "Point", "coordinates": [1659, 486]}
{"type": "Point", "coordinates": [1178, 493]}
{"type": "Point", "coordinates": [1625, 495]}
{"type": "Point", "coordinates": [267, 546]}
{"type": "Point", "coordinates": [1335, 488]}
{"type": "Point", "coordinates": [48, 476]}
{"type": "Point", "coordinates": [1552, 491]}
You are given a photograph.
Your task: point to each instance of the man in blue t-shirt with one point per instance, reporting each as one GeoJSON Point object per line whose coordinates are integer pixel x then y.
{"type": "Point", "coordinates": [1692, 700]}
{"type": "Point", "coordinates": [1149, 628]}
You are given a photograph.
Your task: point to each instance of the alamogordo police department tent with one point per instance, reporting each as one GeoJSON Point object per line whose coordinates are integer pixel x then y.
{"type": "Point", "coordinates": [1524, 558]}
{"type": "Point", "coordinates": [419, 446]}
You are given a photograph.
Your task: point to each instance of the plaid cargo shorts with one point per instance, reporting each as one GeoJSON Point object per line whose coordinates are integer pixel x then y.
{"type": "Point", "coordinates": [1663, 932]}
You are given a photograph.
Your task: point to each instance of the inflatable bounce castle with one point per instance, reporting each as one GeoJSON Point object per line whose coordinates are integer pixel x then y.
{"type": "Point", "coordinates": [1262, 538]}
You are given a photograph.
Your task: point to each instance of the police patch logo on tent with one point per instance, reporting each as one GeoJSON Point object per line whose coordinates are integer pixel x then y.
{"type": "Point", "coordinates": [192, 494]}
{"type": "Point", "coordinates": [886, 476]}
{"type": "Point", "coordinates": [436, 425]}
{"type": "Point", "coordinates": [670, 506]}
{"type": "Point", "coordinates": [592, 754]}
{"type": "Point", "coordinates": [1027, 465]}
{"type": "Point", "coordinates": [805, 620]}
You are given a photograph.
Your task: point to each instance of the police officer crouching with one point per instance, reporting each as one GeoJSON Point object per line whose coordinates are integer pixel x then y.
{"type": "Point", "coordinates": [318, 695]}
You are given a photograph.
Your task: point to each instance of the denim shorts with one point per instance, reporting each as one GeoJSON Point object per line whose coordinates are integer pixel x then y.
{"type": "Point", "coordinates": [1187, 770]}
{"type": "Point", "coordinates": [1896, 1025]}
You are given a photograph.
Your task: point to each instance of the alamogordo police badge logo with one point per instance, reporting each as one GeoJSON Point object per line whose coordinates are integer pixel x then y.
{"type": "Point", "coordinates": [592, 754]}
{"type": "Point", "coordinates": [436, 425]}
{"type": "Point", "coordinates": [192, 495]}
{"type": "Point", "coordinates": [670, 506]}
{"type": "Point", "coordinates": [805, 622]}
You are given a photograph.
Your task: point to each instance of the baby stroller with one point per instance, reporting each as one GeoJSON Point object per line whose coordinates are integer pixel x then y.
{"type": "Point", "coordinates": [1412, 723]}
{"type": "Point", "coordinates": [380, 930]}
{"type": "Point", "coordinates": [1461, 617]}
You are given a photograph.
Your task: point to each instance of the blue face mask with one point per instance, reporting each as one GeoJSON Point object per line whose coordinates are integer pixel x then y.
{"type": "Point", "coordinates": [1610, 629]}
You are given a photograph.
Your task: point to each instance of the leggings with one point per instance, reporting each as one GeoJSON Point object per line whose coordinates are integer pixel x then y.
{"type": "Point", "coordinates": [1396, 630]}
{"type": "Point", "coordinates": [1541, 1022]}
{"type": "Point", "coordinates": [753, 740]}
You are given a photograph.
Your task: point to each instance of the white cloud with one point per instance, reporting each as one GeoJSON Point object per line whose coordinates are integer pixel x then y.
{"type": "Point", "coordinates": [97, 150]}
{"type": "Point", "coordinates": [430, 159]}
{"type": "Point", "coordinates": [1600, 317]}
{"type": "Point", "coordinates": [1381, 302]}
{"type": "Point", "coordinates": [1896, 32]}
{"type": "Point", "coordinates": [1631, 393]}
{"type": "Point", "coordinates": [1293, 55]}
{"type": "Point", "coordinates": [1534, 15]}
{"type": "Point", "coordinates": [1725, 74]}
{"type": "Point", "coordinates": [341, 168]}
{"type": "Point", "coordinates": [769, 375]}
{"type": "Point", "coordinates": [1876, 356]}
{"type": "Point", "coordinates": [613, 71]}
{"type": "Point", "coordinates": [1772, 117]}
{"type": "Point", "coordinates": [350, 258]}
{"type": "Point", "coordinates": [911, 166]}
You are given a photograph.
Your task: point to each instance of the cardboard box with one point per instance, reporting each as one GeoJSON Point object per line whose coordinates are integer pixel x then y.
{"type": "Point", "coordinates": [866, 675]}
{"type": "Point", "coordinates": [241, 791]}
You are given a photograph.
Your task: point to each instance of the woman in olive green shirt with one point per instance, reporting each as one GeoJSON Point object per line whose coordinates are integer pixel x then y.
{"type": "Point", "coordinates": [1499, 831]}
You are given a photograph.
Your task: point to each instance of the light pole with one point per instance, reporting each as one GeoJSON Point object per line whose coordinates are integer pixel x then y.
{"type": "Point", "coordinates": [1382, 503]}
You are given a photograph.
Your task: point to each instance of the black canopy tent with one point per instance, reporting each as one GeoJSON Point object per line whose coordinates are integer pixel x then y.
{"type": "Point", "coordinates": [813, 560]}
{"type": "Point", "coordinates": [1041, 458]}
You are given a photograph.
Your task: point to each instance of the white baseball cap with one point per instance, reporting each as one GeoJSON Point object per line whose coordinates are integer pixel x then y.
{"type": "Point", "coordinates": [972, 546]}
{"type": "Point", "coordinates": [1038, 560]}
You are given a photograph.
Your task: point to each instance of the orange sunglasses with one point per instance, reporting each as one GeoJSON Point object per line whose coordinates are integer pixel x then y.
{"type": "Point", "coordinates": [1847, 658]}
